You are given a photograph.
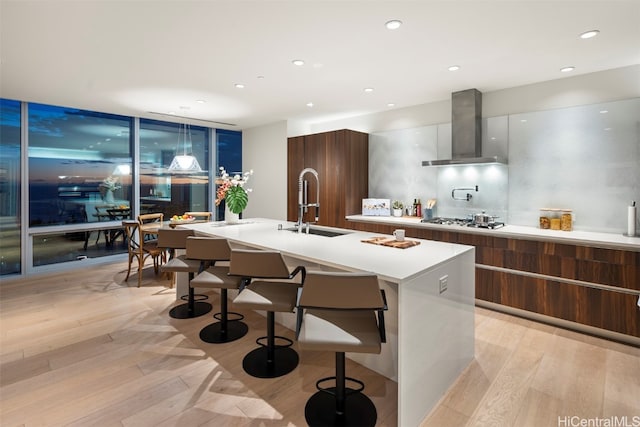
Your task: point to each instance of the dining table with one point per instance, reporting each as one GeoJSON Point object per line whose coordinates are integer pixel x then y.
{"type": "Point", "coordinates": [115, 213]}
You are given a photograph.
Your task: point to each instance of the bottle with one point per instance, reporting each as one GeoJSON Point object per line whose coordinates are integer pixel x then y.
{"type": "Point", "coordinates": [566, 220]}
{"type": "Point", "coordinates": [545, 219]}
{"type": "Point", "coordinates": [555, 219]}
{"type": "Point", "coordinates": [418, 208]}
{"type": "Point", "coordinates": [631, 222]}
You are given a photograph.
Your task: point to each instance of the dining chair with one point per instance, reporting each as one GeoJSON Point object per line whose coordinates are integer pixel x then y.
{"type": "Point", "coordinates": [152, 220]}
{"type": "Point", "coordinates": [141, 248]}
{"type": "Point", "coordinates": [102, 215]}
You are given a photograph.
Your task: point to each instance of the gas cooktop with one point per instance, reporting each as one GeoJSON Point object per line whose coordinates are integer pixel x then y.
{"type": "Point", "coordinates": [464, 222]}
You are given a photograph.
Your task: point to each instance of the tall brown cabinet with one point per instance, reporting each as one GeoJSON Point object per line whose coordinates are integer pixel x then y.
{"type": "Point", "coordinates": [341, 159]}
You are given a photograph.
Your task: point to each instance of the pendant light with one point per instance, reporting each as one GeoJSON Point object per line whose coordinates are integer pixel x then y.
{"type": "Point", "coordinates": [185, 162]}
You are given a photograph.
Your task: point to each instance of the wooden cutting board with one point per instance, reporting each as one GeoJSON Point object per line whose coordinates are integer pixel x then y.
{"type": "Point", "coordinates": [391, 242]}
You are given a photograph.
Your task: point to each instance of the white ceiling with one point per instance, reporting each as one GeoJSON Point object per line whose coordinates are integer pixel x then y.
{"type": "Point", "coordinates": [135, 57]}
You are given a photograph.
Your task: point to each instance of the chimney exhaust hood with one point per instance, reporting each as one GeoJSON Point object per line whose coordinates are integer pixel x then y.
{"type": "Point", "coordinates": [466, 131]}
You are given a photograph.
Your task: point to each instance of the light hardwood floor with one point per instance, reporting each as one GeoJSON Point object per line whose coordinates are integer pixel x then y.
{"type": "Point", "coordinates": [86, 348]}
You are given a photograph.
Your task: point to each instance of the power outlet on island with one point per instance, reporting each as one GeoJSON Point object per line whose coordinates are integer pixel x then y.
{"type": "Point", "coordinates": [444, 280]}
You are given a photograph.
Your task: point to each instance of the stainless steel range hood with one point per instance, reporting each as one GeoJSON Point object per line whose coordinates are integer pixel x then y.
{"type": "Point", "coordinates": [466, 131]}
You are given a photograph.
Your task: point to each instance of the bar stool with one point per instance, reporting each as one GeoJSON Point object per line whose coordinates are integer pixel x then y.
{"type": "Point", "coordinates": [213, 251]}
{"type": "Point", "coordinates": [269, 360]}
{"type": "Point", "coordinates": [171, 240]}
{"type": "Point", "coordinates": [337, 312]}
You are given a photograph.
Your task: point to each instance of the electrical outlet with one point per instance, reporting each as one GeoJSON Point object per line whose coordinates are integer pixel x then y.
{"type": "Point", "coordinates": [443, 283]}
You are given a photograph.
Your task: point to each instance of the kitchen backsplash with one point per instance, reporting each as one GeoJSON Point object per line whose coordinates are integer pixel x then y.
{"type": "Point", "coordinates": [584, 158]}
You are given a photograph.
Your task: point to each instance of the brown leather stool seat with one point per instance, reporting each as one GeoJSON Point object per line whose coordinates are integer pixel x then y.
{"type": "Point", "coordinates": [271, 294]}
{"type": "Point", "coordinates": [216, 276]}
{"type": "Point", "coordinates": [341, 312]}
{"type": "Point", "coordinates": [173, 239]}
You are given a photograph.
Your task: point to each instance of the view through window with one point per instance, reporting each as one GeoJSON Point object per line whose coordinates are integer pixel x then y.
{"type": "Point", "coordinates": [10, 187]}
{"type": "Point", "coordinates": [80, 175]}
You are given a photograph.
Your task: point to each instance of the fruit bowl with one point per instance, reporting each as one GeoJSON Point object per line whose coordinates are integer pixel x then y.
{"type": "Point", "coordinates": [181, 221]}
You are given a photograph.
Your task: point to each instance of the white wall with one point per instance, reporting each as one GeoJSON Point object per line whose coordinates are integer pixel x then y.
{"type": "Point", "coordinates": [593, 88]}
{"type": "Point", "coordinates": [604, 86]}
{"type": "Point", "coordinates": [401, 118]}
{"type": "Point", "coordinates": [585, 158]}
{"type": "Point", "coordinates": [264, 149]}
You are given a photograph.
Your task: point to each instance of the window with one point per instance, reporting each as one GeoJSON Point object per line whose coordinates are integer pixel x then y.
{"type": "Point", "coordinates": [79, 180]}
{"type": "Point", "coordinates": [229, 155]}
{"type": "Point", "coordinates": [162, 190]}
{"type": "Point", "coordinates": [79, 162]}
{"type": "Point", "coordinates": [76, 159]}
{"type": "Point", "coordinates": [10, 187]}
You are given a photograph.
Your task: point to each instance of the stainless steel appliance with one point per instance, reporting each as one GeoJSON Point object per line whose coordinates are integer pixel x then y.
{"type": "Point", "coordinates": [466, 131]}
{"type": "Point", "coordinates": [468, 222]}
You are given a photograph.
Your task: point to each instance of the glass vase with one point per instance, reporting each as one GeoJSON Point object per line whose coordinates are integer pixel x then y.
{"type": "Point", "coordinates": [108, 197]}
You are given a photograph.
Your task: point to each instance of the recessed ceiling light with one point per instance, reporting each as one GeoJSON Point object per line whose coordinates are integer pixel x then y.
{"type": "Point", "coordinates": [454, 68]}
{"type": "Point", "coordinates": [201, 101]}
{"type": "Point", "coordinates": [171, 112]}
{"type": "Point", "coordinates": [567, 69]}
{"type": "Point", "coordinates": [589, 34]}
{"type": "Point", "coordinates": [523, 120]}
{"type": "Point", "coordinates": [394, 24]}
{"type": "Point", "coordinates": [309, 104]}
{"type": "Point", "coordinates": [239, 86]}
{"type": "Point", "coordinates": [368, 89]}
{"type": "Point", "coordinates": [298, 62]}
{"type": "Point", "coordinates": [391, 104]}
{"type": "Point", "coordinates": [604, 111]}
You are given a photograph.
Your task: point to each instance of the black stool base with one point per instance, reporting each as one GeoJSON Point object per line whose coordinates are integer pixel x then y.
{"type": "Point", "coordinates": [182, 311]}
{"type": "Point", "coordinates": [320, 410]}
{"type": "Point", "coordinates": [213, 333]}
{"type": "Point", "coordinates": [255, 363]}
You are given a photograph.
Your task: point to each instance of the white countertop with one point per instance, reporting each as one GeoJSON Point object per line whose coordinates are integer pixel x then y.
{"type": "Point", "coordinates": [345, 252]}
{"type": "Point", "coordinates": [589, 238]}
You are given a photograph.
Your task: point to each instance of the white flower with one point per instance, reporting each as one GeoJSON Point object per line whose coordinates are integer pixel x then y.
{"type": "Point", "coordinates": [235, 185]}
{"type": "Point", "coordinates": [110, 183]}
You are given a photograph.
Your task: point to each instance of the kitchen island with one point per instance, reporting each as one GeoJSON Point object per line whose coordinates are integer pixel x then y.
{"type": "Point", "coordinates": [430, 293]}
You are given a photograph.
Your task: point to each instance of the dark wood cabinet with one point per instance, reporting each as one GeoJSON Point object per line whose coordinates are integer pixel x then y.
{"type": "Point", "coordinates": [341, 159]}
{"type": "Point", "coordinates": [578, 283]}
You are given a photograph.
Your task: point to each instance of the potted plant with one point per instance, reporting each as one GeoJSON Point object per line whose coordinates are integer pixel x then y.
{"type": "Point", "coordinates": [397, 208]}
{"type": "Point", "coordinates": [231, 190]}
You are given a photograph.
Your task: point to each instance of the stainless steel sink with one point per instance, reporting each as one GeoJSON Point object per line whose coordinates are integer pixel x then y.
{"type": "Point", "coordinates": [318, 231]}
